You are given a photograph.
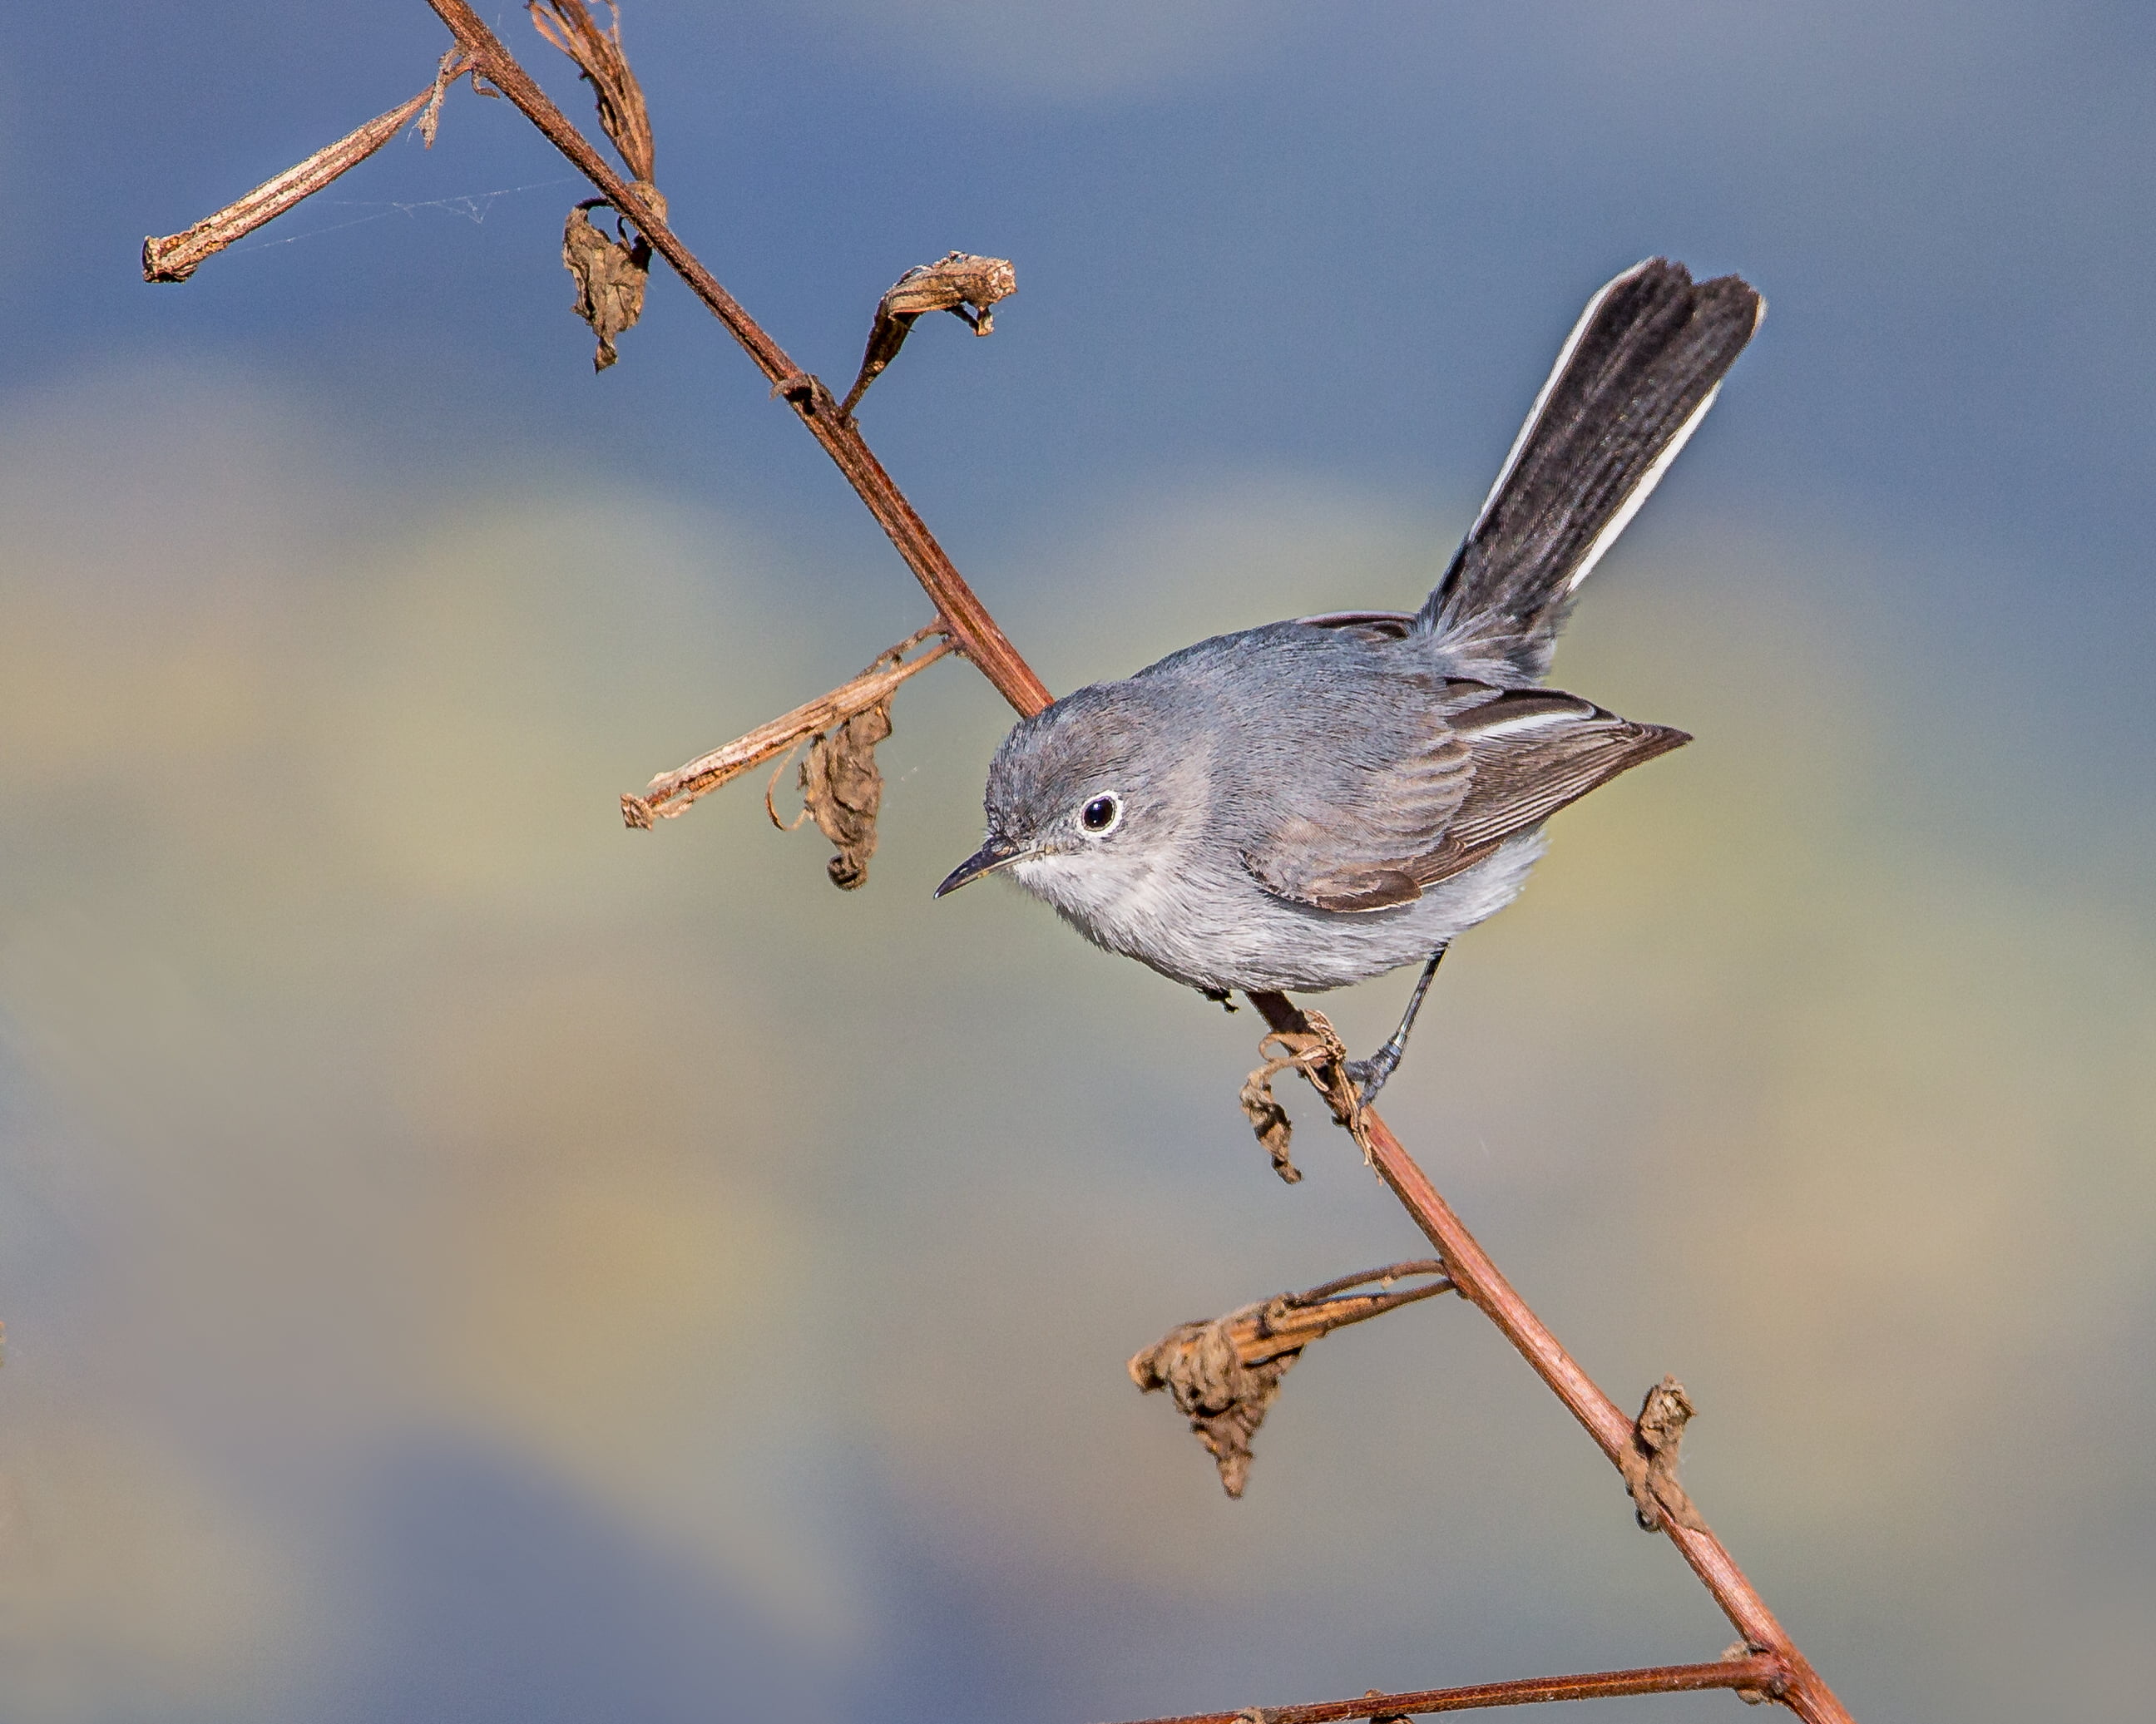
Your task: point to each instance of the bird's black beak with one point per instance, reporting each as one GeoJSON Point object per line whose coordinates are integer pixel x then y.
{"type": "Point", "coordinates": [996, 853]}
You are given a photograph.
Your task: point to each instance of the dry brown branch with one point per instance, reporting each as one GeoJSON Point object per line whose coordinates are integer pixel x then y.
{"type": "Point", "coordinates": [1223, 1372]}
{"type": "Point", "coordinates": [965, 287]}
{"type": "Point", "coordinates": [671, 793]}
{"type": "Point", "coordinates": [178, 256]}
{"type": "Point", "coordinates": [1758, 1673]}
{"type": "Point", "coordinates": [1772, 1666]}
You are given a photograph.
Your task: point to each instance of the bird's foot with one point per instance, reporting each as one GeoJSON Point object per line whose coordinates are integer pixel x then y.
{"type": "Point", "coordinates": [1220, 998]}
{"type": "Point", "coordinates": [1368, 1076]}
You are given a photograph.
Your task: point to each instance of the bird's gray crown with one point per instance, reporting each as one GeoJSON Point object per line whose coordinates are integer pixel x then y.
{"type": "Point", "coordinates": [1100, 741]}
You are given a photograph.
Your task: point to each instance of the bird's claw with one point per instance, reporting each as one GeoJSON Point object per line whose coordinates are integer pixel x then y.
{"type": "Point", "coordinates": [1368, 1076]}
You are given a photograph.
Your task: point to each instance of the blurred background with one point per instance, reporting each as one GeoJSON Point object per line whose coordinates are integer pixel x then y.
{"type": "Point", "coordinates": [462, 1260]}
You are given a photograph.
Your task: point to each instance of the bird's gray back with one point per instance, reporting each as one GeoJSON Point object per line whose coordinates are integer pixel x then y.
{"type": "Point", "coordinates": [1297, 716]}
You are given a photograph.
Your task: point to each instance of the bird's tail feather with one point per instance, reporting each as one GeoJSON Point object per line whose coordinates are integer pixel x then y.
{"type": "Point", "coordinates": [1631, 383]}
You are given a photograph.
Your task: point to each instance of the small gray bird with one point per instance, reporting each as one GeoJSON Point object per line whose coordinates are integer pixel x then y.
{"type": "Point", "coordinates": [1317, 802]}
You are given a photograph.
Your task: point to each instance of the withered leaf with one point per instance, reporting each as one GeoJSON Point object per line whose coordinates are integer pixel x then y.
{"type": "Point", "coordinates": [965, 285]}
{"type": "Point", "coordinates": [1225, 1400]}
{"type": "Point", "coordinates": [1318, 1054]}
{"type": "Point", "coordinates": [599, 57]}
{"type": "Point", "coordinates": [1651, 1466]}
{"type": "Point", "coordinates": [842, 789]}
{"type": "Point", "coordinates": [610, 277]}
{"type": "Point", "coordinates": [1270, 1121]}
{"type": "Point", "coordinates": [1225, 1374]}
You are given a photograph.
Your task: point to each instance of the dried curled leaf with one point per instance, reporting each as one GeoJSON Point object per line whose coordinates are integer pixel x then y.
{"type": "Point", "coordinates": [604, 66]}
{"type": "Point", "coordinates": [1320, 1056]}
{"type": "Point", "coordinates": [1269, 1120]}
{"type": "Point", "coordinates": [610, 277]}
{"type": "Point", "coordinates": [842, 789]}
{"type": "Point", "coordinates": [1650, 1467]}
{"type": "Point", "coordinates": [1225, 1400]}
{"type": "Point", "coordinates": [964, 285]}
{"type": "Point", "coordinates": [610, 273]}
{"type": "Point", "coordinates": [1225, 1374]}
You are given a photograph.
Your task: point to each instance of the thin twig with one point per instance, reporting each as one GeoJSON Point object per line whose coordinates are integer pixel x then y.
{"type": "Point", "coordinates": [178, 256]}
{"type": "Point", "coordinates": [671, 793]}
{"type": "Point", "coordinates": [1760, 1673]}
{"type": "Point", "coordinates": [978, 633]}
{"type": "Point", "coordinates": [1479, 1281]}
{"type": "Point", "coordinates": [1264, 1331]}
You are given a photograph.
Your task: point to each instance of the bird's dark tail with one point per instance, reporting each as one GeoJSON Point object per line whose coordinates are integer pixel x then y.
{"type": "Point", "coordinates": [1634, 379]}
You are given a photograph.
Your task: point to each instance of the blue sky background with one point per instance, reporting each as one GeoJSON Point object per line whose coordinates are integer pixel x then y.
{"type": "Point", "coordinates": [465, 1261]}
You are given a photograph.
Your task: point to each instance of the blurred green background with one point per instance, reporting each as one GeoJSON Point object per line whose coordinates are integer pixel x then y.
{"type": "Point", "coordinates": [462, 1260]}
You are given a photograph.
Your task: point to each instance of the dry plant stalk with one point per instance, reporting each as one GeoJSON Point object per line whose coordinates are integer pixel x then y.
{"type": "Point", "coordinates": [1750, 1674]}
{"type": "Point", "coordinates": [1223, 1372]}
{"type": "Point", "coordinates": [964, 285]}
{"type": "Point", "coordinates": [1796, 1684]}
{"type": "Point", "coordinates": [671, 793]}
{"type": "Point", "coordinates": [177, 256]}
{"type": "Point", "coordinates": [1768, 1663]}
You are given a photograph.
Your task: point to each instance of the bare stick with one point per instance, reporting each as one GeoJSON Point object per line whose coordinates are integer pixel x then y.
{"type": "Point", "coordinates": [1759, 1673]}
{"type": "Point", "coordinates": [978, 633]}
{"type": "Point", "coordinates": [1478, 1280]}
{"type": "Point", "coordinates": [1263, 1332]}
{"type": "Point", "coordinates": [671, 793]}
{"type": "Point", "coordinates": [178, 256]}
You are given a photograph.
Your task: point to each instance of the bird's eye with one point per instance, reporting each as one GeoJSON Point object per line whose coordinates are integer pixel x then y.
{"type": "Point", "coordinates": [1101, 815]}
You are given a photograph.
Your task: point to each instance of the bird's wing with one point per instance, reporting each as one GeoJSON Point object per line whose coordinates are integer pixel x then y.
{"type": "Point", "coordinates": [1535, 751]}
{"type": "Point", "coordinates": [1350, 847]}
{"type": "Point", "coordinates": [1490, 765]}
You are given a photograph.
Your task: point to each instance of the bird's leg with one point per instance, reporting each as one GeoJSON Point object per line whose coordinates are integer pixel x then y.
{"type": "Point", "coordinates": [1220, 998]}
{"type": "Point", "coordinates": [1368, 1076]}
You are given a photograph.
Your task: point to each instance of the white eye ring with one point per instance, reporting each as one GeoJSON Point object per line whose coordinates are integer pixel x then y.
{"type": "Point", "coordinates": [1102, 815]}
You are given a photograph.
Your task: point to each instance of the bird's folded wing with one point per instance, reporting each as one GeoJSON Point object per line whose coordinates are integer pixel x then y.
{"type": "Point", "coordinates": [1351, 849]}
{"type": "Point", "coordinates": [1535, 751]}
{"type": "Point", "coordinates": [1487, 774]}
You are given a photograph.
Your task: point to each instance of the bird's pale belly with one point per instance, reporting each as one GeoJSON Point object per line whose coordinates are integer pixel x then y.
{"type": "Point", "coordinates": [1229, 933]}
